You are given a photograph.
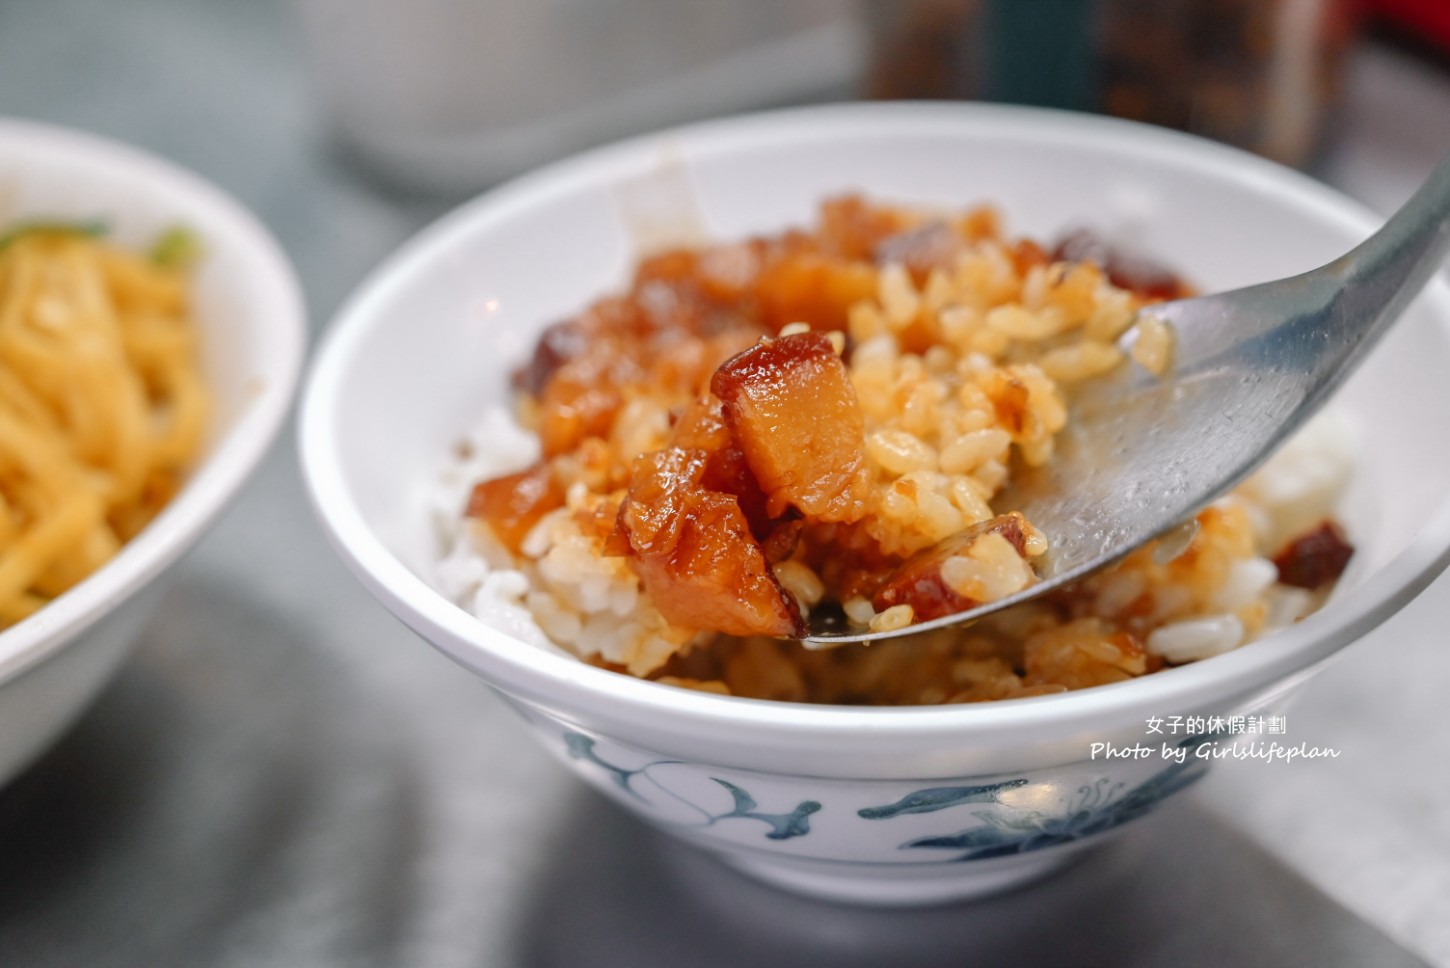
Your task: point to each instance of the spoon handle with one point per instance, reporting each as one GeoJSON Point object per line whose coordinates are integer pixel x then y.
{"type": "Point", "coordinates": [1381, 276]}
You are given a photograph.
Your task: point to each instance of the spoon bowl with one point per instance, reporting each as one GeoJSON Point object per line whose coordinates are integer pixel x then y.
{"type": "Point", "coordinates": [1143, 453]}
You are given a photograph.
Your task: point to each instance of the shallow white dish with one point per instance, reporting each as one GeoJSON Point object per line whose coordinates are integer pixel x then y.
{"type": "Point", "coordinates": [877, 805]}
{"type": "Point", "coordinates": [249, 307]}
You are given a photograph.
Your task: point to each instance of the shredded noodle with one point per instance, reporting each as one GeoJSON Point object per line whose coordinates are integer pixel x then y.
{"type": "Point", "coordinates": [102, 408]}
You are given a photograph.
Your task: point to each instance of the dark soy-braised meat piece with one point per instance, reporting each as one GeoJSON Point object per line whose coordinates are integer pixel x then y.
{"type": "Point", "coordinates": [1314, 559]}
{"type": "Point", "coordinates": [922, 249]}
{"type": "Point", "coordinates": [1126, 271]}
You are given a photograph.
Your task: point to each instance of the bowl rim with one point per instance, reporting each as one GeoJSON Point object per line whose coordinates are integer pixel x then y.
{"type": "Point", "coordinates": [559, 680]}
{"type": "Point", "coordinates": [280, 317]}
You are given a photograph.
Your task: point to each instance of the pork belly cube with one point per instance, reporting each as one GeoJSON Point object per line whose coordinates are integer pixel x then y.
{"type": "Point", "coordinates": [653, 510]}
{"type": "Point", "coordinates": [791, 407]}
{"type": "Point", "coordinates": [808, 287]}
{"type": "Point", "coordinates": [511, 505]}
{"type": "Point", "coordinates": [702, 426]}
{"type": "Point", "coordinates": [693, 550]}
{"type": "Point", "coordinates": [717, 577]}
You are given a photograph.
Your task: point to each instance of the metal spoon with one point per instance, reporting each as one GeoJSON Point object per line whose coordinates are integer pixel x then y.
{"type": "Point", "coordinates": [1143, 454]}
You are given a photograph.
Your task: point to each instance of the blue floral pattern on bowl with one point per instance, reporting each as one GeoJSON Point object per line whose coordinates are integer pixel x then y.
{"type": "Point", "coordinates": [1004, 825]}
{"type": "Point", "coordinates": [1097, 807]}
{"type": "Point", "coordinates": [783, 826]}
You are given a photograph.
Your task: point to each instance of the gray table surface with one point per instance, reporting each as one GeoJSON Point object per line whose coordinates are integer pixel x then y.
{"type": "Point", "coordinates": [282, 775]}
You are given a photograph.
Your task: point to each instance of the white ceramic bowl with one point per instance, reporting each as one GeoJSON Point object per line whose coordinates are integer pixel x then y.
{"type": "Point", "coordinates": [249, 307]}
{"type": "Point", "coordinates": [880, 805]}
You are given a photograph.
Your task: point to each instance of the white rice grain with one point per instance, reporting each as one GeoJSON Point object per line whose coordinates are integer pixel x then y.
{"type": "Point", "coordinates": [1196, 638]}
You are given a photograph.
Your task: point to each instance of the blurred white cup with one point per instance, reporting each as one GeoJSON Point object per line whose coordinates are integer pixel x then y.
{"type": "Point", "coordinates": [451, 95]}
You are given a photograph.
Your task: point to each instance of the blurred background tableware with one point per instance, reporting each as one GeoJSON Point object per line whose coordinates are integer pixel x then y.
{"type": "Point", "coordinates": [450, 95]}
{"type": "Point", "coordinates": [1260, 74]}
{"type": "Point", "coordinates": [248, 308]}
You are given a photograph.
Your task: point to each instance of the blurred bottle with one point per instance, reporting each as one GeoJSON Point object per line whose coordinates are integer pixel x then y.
{"type": "Point", "coordinates": [451, 95]}
{"type": "Point", "coordinates": [1261, 74]}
